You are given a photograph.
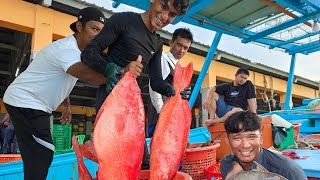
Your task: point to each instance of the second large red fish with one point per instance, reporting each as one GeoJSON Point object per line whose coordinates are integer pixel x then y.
{"type": "Point", "coordinates": [171, 134]}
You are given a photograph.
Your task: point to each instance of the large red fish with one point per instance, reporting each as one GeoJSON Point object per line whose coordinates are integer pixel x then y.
{"type": "Point", "coordinates": [119, 133]}
{"type": "Point", "coordinates": [171, 134]}
{"type": "Point", "coordinates": [118, 136]}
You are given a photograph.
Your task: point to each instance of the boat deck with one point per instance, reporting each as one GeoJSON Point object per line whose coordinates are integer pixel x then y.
{"type": "Point", "coordinates": [311, 164]}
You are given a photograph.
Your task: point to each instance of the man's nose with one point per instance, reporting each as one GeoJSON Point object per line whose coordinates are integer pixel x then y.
{"type": "Point", "coordinates": [164, 16]}
{"type": "Point", "coordinates": [245, 143]}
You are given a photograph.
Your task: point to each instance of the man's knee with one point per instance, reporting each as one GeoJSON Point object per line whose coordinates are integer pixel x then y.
{"type": "Point", "coordinates": [215, 96]}
{"type": "Point", "coordinates": [236, 109]}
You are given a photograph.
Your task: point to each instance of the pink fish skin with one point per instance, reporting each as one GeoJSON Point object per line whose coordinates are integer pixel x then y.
{"type": "Point", "coordinates": [119, 133]}
{"type": "Point", "coordinates": [171, 134]}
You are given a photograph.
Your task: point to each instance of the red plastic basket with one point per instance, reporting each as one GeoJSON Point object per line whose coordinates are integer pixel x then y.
{"type": "Point", "coordinates": [213, 171]}
{"type": "Point", "coordinates": [145, 175]}
{"type": "Point", "coordinates": [5, 158]}
{"type": "Point", "coordinates": [196, 159]}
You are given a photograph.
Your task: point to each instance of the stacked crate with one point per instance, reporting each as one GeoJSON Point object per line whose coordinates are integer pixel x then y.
{"type": "Point", "coordinates": [81, 127]}
{"type": "Point", "coordinates": [61, 136]}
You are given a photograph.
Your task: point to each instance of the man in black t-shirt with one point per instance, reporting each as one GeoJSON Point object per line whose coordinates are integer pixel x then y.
{"type": "Point", "coordinates": [238, 95]}
{"type": "Point", "coordinates": [132, 41]}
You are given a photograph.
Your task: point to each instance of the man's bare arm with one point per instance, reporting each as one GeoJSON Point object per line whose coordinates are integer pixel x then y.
{"type": "Point", "coordinates": [252, 104]}
{"type": "Point", "coordinates": [84, 73]}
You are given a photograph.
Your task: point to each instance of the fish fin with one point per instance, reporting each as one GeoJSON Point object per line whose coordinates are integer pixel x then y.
{"type": "Point", "coordinates": [98, 116]}
{"type": "Point", "coordinates": [259, 167]}
{"type": "Point", "coordinates": [182, 76]}
{"type": "Point", "coordinates": [83, 172]}
{"type": "Point", "coordinates": [88, 151]}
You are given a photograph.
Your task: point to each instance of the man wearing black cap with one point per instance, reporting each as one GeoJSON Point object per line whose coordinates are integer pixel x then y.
{"type": "Point", "coordinates": [44, 85]}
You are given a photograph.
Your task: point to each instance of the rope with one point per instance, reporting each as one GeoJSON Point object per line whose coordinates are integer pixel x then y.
{"type": "Point", "coordinates": [305, 111]}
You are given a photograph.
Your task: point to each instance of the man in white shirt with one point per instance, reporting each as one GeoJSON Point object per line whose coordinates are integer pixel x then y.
{"type": "Point", "coordinates": [179, 44]}
{"type": "Point", "coordinates": [44, 85]}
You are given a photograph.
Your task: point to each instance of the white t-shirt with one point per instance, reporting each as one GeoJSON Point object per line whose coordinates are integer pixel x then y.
{"type": "Point", "coordinates": [45, 84]}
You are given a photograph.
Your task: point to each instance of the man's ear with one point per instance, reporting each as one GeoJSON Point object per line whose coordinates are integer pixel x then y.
{"type": "Point", "coordinates": [170, 42]}
{"type": "Point", "coordinates": [227, 140]}
{"type": "Point", "coordinates": [79, 26]}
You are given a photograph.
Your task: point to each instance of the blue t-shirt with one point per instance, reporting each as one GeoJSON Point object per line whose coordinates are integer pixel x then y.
{"type": "Point", "coordinates": [273, 162]}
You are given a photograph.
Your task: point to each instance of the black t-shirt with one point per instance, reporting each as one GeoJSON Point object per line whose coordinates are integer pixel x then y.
{"type": "Point", "coordinates": [237, 95]}
{"type": "Point", "coordinates": [126, 36]}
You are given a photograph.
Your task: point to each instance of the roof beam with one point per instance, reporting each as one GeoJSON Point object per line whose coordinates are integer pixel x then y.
{"type": "Point", "coordinates": [264, 21]}
{"type": "Point", "coordinates": [295, 39]}
{"type": "Point", "coordinates": [115, 4]}
{"type": "Point", "coordinates": [141, 4]}
{"type": "Point", "coordinates": [283, 10]}
{"type": "Point", "coordinates": [312, 50]}
{"type": "Point", "coordinates": [285, 3]}
{"type": "Point", "coordinates": [313, 3]}
{"type": "Point", "coordinates": [303, 47]}
{"type": "Point", "coordinates": [282, 26]}
{"type": "Point", "coordinates": [202, 22]}
{"type": "Point", "coordinates": [194, 8]}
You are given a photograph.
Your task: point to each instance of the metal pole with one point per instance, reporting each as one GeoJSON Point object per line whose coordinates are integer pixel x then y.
{"type": "Point", "coordinates": [290, 82]}
{"type": "Point", "coordinates": [205, 68]}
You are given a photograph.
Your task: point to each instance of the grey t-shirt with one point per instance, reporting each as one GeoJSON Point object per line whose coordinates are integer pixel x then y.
{"type": "Point", "coordinates": [273, 162]}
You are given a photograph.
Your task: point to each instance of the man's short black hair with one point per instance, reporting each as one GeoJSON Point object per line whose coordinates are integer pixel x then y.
{"type": "Point", "coordinates": [242, 121]}
{"type": "Point", "coordinates": [180, 5]}
{"type": "Point", "coordinates": [182, 33]}
{"type": "Point", "coordinates": [242, 70]}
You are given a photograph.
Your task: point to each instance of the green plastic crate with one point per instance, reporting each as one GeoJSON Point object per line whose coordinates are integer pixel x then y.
{"type": "Point", "coordinates": [80, 139]}
{"type": "Point", "coordinates": [288, 141]}
{"type": "Point", "coordinates": [61, 136]}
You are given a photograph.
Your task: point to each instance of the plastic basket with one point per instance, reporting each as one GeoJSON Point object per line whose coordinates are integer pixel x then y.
{"type": "Point", "coordinates": [5, 158]}
{"type": "Point", "coordinates": [57, 152]}
{"type": "Point", "coordinates": [288, 141]}
{"type": "Point", "coordinates": [61, 136]}
{"type": "Point", "coordinates": [213, 172]}
{"type": "Point", "coordinates": [196, 159]}
{"type": "Point", "coordinates": [145, 175]}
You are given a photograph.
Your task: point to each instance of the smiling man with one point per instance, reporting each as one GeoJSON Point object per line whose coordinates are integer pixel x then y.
{"type": "Point", "coordinates": [244, 137]}
{"type": "Point", "coordinates": [181, 40]}
{"type": "Point", "coordinates": [131, 39]}
{"type": "Point", "coordinates": [228, 98]}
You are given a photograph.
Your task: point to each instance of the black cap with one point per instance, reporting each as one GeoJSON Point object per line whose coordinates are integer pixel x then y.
{"type": "Point", "coordinates": [88, 14]}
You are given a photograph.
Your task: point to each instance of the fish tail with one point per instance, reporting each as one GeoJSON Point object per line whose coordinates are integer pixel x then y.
{"type": "Point", "coordinates": [182, 76]}
{"type": "Point", "coordinates": [83, 172]}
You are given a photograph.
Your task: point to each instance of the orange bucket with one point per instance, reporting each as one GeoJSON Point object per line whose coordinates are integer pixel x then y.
{"type": "Point", "coordinates": [296, 127]}
{"type": "Point", "coordinates": [217, 129]}
{"type": "Point", "coordinates": [197, 158]}
{"type": "Point", "coordinates": [145, 175]}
